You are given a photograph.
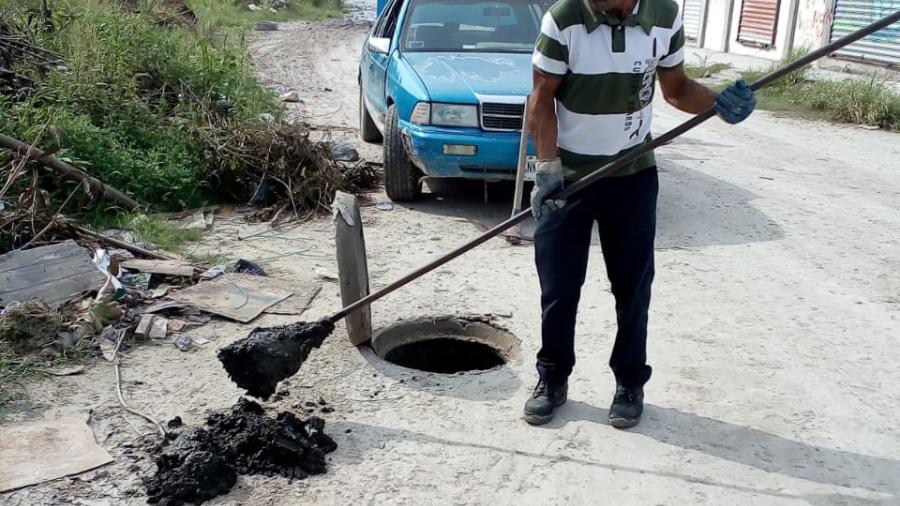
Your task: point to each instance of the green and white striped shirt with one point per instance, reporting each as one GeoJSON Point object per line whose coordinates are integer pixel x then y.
{"type": "Point", "coordinates": [608, 68]}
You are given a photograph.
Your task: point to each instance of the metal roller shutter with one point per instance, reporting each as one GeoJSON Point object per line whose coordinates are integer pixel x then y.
{"type": "Point", "coordinates": [693, 13]}
{"type": "Point", "coordinates": [882, 46]}
{"type": "Point", "coordinates": [759, 19]}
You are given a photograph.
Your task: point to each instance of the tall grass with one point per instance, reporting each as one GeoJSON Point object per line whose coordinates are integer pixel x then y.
{"type": "Point", "coordinates": [137, 87]}
{"type": "Point", "coordinates": [867, 101]}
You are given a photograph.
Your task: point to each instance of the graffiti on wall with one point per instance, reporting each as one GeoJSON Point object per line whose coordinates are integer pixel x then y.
{"type": "Point", "coordinates": [823, 15]}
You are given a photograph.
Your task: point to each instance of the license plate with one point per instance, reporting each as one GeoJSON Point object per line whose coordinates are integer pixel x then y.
{"type": "Point", "coordinates": [530, 167]}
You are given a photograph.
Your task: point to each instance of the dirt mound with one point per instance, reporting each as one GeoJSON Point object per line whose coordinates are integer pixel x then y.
{"type": "Point", "coordinates": [268, 355]}
{"type": "Point", "coordinates": [199, 463]}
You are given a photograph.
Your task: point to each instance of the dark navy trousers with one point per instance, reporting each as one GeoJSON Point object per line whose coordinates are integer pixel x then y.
{"type": "Point", "coordinates": [625, 211]}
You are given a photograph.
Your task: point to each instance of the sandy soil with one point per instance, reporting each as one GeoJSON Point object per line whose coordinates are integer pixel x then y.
{"type": "Point", "coordinates": [773, 335]}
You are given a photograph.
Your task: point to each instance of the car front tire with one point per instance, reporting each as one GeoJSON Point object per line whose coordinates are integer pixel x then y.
{"type": "Point", "coordinates": [401, 176]}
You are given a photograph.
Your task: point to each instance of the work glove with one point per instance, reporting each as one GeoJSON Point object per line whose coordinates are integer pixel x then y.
{"type": "Point", "coordinates": [548, 178]}
{"type": "Point", "coordinates": [735, 102]}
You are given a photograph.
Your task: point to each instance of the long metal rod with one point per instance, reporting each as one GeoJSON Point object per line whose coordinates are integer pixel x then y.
{"type": "Point", "coordinates": [616, 164]}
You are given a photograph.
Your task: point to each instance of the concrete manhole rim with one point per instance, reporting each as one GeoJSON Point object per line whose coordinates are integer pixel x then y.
{"type": "Point", "coordinates": [473, 328]}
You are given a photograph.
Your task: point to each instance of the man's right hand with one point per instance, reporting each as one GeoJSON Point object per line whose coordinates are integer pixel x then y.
{"type": "Point", "coordinates": [548, 178]}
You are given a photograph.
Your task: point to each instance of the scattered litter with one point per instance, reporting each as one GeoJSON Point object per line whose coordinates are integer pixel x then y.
{"type": "Point", "coordinates": [247, 267]}
{"type": "Point", "coordinates": [199, 463]}
{"type": "Point", "coordinates": [160, 328]}
{"type": "Point", "coordinates": [184, 342]}
{"type": "Point", "coordinates": [35, 452]}
{"type": "Point", "coordinates": [342, 151]}
{"type": "Point", "coordinates": [213, 272]}
{"type": "Point", "coordinates": [139, 281]}
{"type": "Point", "coordinates": [291, 96]}
{"type": "Point", "coordinates": [267, 118]}
{"type": "Point", "coordinates": [767, 178]}
{"type": "Point", "coordinates": [51, 273]}
{"type": "Point", "coordinates": [201, 340]}
{"type": "Point", "coordinates": [327, 89]}
{"type": "Point", "coordinates": [254, 7]}
{"type": "Point", "coordinates": [327, 275]}
{"type": "Point", "coordinates": [108, 349]}
{"type": "Point", "coordinates": [165, 306]}
{"type": "Point", "coordinates": [160, 291]}
{"type": "Point", "coordinates": [178, 325]}
{"type": "Point", "coordinates": [384, 206]}
{"type": "Point", "coordinates": [102, 261]}
{"type": "Point", "coordinates": [201, 220]}
{"type": "Point", "coordinates": [166, 267]}
{"type": "Point", "coordinates": [67, 371]}
{"type": "Point", "coordinates": [232, 296]}
{"type": "Point", "coordinates": [266, 26]}
{"type": "Point", "coordinates": [144, 326]}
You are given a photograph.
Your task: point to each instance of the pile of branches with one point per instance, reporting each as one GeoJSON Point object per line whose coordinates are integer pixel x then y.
{"type": "Point", "coordinates": [19, 54]}
{"type": "Point", "coordinates": [278, 167]}
{"type": "Point", "coordinates": [27, 215]}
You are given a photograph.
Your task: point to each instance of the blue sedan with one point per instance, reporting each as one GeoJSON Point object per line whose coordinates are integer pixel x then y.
{"type": "Point", "coordinates": [443, 86]}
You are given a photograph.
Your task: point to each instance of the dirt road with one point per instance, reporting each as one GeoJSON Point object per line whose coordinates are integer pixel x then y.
{"type": "Point", "coordinates": [773, 335]}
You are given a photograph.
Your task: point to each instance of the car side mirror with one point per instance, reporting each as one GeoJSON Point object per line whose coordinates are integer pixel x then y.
{"type": "Point", "coordinates": [379, 45]}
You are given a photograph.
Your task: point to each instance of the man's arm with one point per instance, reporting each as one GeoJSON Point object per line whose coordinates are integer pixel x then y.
{"type": "Point", "coordinates": [683, 92]}
{"type": "Point", "coordinates": [542, 121]}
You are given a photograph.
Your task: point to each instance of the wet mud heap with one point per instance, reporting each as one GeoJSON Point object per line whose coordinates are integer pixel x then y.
{"type": "Point", "coordinates": [268, 355]}
{"type": "Point", "coordinates": [199, 463]}
{"type": "Point", "coordinates": [446, 355]}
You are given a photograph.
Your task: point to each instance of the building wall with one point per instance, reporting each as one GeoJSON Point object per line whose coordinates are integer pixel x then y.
{"type": "Point", "coordinates": [813, 23]}
{"type": "Point", "coordinates": [783, 32]}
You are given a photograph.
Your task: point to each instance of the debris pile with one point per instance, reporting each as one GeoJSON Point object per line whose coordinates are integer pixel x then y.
{"type": "Point", "coordinates": [278, 167]}
{"type": "Point", "coordinates": [195, 464]}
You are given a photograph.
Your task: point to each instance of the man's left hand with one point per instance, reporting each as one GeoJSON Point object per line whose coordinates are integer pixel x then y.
{"type": "Point", "coordinates": [736, 102]}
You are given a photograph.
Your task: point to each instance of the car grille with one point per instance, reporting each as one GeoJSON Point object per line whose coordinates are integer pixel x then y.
{"type": "Point", "coordinates": [502, 116]}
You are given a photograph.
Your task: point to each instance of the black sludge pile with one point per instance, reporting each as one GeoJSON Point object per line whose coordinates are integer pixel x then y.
{"type": "Point", "coordinates": [268, 355]}
{"type": "Point", "coordinates": [199, 463]}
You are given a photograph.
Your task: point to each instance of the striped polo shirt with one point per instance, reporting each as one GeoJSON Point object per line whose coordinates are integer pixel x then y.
{"type": "Point", "coordinates": [608, 68]}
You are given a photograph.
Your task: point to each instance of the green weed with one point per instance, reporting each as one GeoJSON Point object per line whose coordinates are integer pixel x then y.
{"type": "Point", "coordinates": [858, 101]}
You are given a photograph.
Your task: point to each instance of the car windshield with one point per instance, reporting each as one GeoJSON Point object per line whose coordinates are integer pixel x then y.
{"type": "Point", "coordinates": [473, 25]}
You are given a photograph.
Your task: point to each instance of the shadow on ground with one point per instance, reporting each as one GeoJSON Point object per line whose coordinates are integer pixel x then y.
{"type": "Point", "coordinates": [695, 210]}
{"type": "Point", "coordinates": [718, 439]}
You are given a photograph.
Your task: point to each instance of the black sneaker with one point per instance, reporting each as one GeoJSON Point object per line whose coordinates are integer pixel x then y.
{"type": "Point", "coordinates": [545, 399]}
{"type": "Point", "coordinates": [627, 407]}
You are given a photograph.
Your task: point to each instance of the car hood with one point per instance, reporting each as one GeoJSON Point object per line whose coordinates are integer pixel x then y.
{"type": "Point", "coordinates": [462, 77]}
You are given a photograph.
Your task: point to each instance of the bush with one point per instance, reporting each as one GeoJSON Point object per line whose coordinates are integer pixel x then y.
{"type": "Point", "coordinates": [136, 90]}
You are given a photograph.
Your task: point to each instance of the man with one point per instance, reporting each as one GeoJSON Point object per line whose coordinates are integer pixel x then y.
{"type": "Point", "coordinates": [595, 64]}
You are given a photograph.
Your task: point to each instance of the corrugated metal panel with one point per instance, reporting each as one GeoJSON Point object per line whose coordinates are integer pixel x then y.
{"type": "Point", "coordinates": [693, 13]}
{"type": "Point", "coordinates": [759, 19]}
{"type": "Point", "coordinates": [882, 46]}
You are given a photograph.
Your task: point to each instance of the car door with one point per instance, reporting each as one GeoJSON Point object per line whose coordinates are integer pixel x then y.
{"type": "Point", "coordinates": [378, 49]}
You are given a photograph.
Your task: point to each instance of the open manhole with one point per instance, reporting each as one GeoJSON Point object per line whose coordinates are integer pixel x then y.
{"type": "Point", "coordinates": [445, 345]}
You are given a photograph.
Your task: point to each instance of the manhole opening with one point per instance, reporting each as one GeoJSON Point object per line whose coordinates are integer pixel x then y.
{"type": "Point", "coordinates": [445, 345]}
{"type": "Point", "coordinates": [446, 355]}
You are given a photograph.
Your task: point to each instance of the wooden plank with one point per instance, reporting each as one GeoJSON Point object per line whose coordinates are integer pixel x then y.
{"type": "Point", "coordinates": [52, 273]}
{"type": "Point", "coordinates": [43, 450]}
{"type": "Point", "coordinates": [232, 297]}
{"type": "Point", "coordinates": [353, 270]}
{"type": "Point", "coordinates": [167, 267]}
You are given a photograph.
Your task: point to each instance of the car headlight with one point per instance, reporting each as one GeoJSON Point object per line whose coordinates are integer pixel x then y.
{"type": "Point", "coordinates": [454, 115]}
{"type": "Point", "coordinates": [445, 115]}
